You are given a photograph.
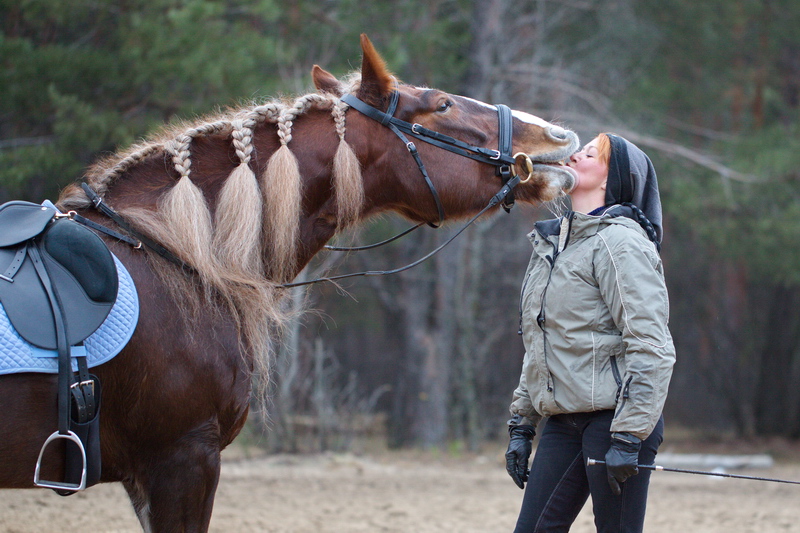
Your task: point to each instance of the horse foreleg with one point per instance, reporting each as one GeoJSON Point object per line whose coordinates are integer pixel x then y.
{"type": "Point", "coordinates": [140, 502]}
{"type": "Point", "coordinates": [174, 491]}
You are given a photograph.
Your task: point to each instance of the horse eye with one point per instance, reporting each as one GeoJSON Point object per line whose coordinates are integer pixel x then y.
{"type": "Point", "coordinates": [444, 106]}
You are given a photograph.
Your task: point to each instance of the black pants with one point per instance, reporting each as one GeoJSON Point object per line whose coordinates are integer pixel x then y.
{"type": "Point", "coordinates": [560, 481]}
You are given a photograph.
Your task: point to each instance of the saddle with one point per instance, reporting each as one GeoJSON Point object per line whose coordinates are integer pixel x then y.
{"type": "Point", "coordinates": [58, 283]}
{"type": "Point", "coordinates": [80, 267]}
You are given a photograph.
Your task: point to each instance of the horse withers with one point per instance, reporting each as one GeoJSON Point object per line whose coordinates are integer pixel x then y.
{"type": "Point", "coordinates": [244, 201]}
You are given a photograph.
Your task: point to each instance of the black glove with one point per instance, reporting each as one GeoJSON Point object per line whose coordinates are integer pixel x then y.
{"type": "Point", "coordinates": [519, 451]}
{"type": "Point", "coordinates": [622, 459]}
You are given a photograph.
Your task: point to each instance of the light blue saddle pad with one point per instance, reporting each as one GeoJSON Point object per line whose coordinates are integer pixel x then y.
{"type": "Point", "coordinates": [16, 355]}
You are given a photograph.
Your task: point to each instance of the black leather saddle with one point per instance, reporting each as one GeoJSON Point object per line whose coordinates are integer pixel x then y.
{"type": "Point", "coordinates": [80, 267]}
{"type": "Point", "coordinates": [58, 283]}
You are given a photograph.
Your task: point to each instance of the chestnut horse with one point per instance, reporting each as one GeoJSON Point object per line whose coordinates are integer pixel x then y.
{"type": "Point", "coordinates": [246, 200]}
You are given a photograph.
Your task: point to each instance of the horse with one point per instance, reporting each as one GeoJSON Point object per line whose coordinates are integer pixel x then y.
{"type": "Point", "coordinates": [244, 200]}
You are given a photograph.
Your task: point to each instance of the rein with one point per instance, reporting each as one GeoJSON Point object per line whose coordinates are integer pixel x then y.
{"type": "Point", "coordinates": [500, 158]}
{"type": "Point", "coordinates": [496, 199]}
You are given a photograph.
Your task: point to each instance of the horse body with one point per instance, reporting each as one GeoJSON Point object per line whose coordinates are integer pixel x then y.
{"type": "Point", "coordinates": [180, 391]}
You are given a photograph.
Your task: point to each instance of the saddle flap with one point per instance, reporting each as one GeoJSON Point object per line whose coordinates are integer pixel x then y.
{"type": "Point", "coordinates": [20, 221]}
{"type": "Point", "coordinates": [85, 257]}
{"type": "Point", "coordinates": [83, 274]}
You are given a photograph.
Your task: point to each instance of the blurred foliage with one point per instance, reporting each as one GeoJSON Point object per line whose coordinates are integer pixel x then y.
{"type": "Point", "coordinates": [84, 77]}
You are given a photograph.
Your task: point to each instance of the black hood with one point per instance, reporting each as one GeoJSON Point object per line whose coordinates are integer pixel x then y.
{"type": "Point", "coordinates": [632, 179]}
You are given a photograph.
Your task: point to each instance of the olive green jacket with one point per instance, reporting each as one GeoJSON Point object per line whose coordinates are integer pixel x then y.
{"type": "Point", "coordinates": [593, 315]}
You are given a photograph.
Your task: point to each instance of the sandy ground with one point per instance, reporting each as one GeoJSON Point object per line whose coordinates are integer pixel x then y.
{"type": "Point", "coordinates": [407, 492]}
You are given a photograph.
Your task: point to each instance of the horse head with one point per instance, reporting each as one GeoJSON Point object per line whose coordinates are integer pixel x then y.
{"type": "Point", "coordinates": [464, 185]}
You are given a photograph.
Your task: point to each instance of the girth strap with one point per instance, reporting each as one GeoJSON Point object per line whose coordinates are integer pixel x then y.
{"type": "Point", "coordinates": [83, 394]}
{"type": "Point", "coordinates": [16, 263]}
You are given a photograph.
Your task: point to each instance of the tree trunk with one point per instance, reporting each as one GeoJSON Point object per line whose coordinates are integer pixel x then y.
{"type": "Point", "coordinates": [781, 341]}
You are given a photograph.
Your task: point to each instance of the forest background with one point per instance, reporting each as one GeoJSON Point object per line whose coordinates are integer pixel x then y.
{"type": "Point", "coordinates": [430, 357]}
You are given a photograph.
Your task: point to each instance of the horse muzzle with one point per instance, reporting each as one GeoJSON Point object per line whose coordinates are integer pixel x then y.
{"type": "Point", "coordinates": [558, 134]}
{"type": "Point", "coordinates": [551, 167]}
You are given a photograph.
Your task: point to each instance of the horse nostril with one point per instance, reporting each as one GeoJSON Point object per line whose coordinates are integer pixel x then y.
{"type": "Point", "coordinates": [557, 132]}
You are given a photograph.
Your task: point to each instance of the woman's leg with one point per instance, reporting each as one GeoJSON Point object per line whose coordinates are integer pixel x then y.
{"type": "Point", "coordinates": [557, 487]}
{"type": "Point", "coordinates": [623, 513]}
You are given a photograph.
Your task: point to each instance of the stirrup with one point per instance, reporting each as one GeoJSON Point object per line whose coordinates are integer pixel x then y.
{"type": "Point", "coordinates": [60, 485]}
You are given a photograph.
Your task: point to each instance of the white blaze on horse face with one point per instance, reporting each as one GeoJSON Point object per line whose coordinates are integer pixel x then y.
{"type": "Point", "coordinates": [519, 115]}
{"type": "Point", "coordinates": [530, 119]}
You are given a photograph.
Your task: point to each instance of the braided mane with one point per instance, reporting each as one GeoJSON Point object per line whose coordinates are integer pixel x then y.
{"type": "Point", "coordinates": [279, 188]}
{"type": "Point", "coordinates": [248, 245]}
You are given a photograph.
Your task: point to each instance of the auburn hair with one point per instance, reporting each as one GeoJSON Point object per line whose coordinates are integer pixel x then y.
{"type": "Point", "coordinates": [603, 148]}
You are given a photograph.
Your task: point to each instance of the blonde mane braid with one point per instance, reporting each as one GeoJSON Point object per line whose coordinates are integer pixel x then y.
{"type": "Point", "coordinates": [237, 224]}
{"type": "Point", "coordinates": [282, 188]}
{"type": "Point", "coordinates": [347, 183]}
{"type": "Point", "coordinates": [185, 213]}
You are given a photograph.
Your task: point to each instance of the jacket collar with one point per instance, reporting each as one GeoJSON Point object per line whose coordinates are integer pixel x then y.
{"type": "Point", "coordinates": [546, 228]}
{"type": "Point", "coordinates": [584, 225]}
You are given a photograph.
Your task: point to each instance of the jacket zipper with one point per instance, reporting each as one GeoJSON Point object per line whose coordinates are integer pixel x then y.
{"type": "Point", "coordinates": [617, 377]}
{"type": "Point", "coordinates": [625, 396]}
{"type": "Point", "coordinates": [521, 296]}
{"type": "Point", "coordinates": [541, 318]}
{"type": "Point", "coordinates": [563, 241]}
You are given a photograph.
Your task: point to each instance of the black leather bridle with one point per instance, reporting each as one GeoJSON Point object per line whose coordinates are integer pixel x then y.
{"type": "Point", "coordinates": [500, 158]}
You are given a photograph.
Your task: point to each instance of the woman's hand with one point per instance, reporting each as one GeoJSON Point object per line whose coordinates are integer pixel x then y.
{"type": "Point", "coordinates": [622, 459]}
{"type": "Point", "coordinates": [518, 453]}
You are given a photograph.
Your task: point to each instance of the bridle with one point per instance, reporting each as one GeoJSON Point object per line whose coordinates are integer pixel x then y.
{"type": "Point", "coordinates": [500, 158]}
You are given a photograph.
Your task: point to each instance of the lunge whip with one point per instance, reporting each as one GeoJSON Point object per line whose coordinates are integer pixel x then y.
{"type": "Point", "coordinates": [591, 462]}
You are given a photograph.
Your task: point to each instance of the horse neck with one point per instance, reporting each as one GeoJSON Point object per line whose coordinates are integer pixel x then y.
{"type": "Point", "coordinates": [389, 177]}
{"type": "Point", "coordinates": [381, 161]}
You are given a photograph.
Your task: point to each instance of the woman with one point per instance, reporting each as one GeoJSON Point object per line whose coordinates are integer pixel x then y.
{"type": "Point", "coordinates": [598, 353]}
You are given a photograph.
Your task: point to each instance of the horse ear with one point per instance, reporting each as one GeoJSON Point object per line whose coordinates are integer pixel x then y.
{"type": "Point", "coordinates": [325, 82]}
{"type": "Point", "coordinates": [376, 80]}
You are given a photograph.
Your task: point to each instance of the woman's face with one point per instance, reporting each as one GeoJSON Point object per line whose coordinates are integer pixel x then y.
{"type": "Point", "coordinates": [592, 173]}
